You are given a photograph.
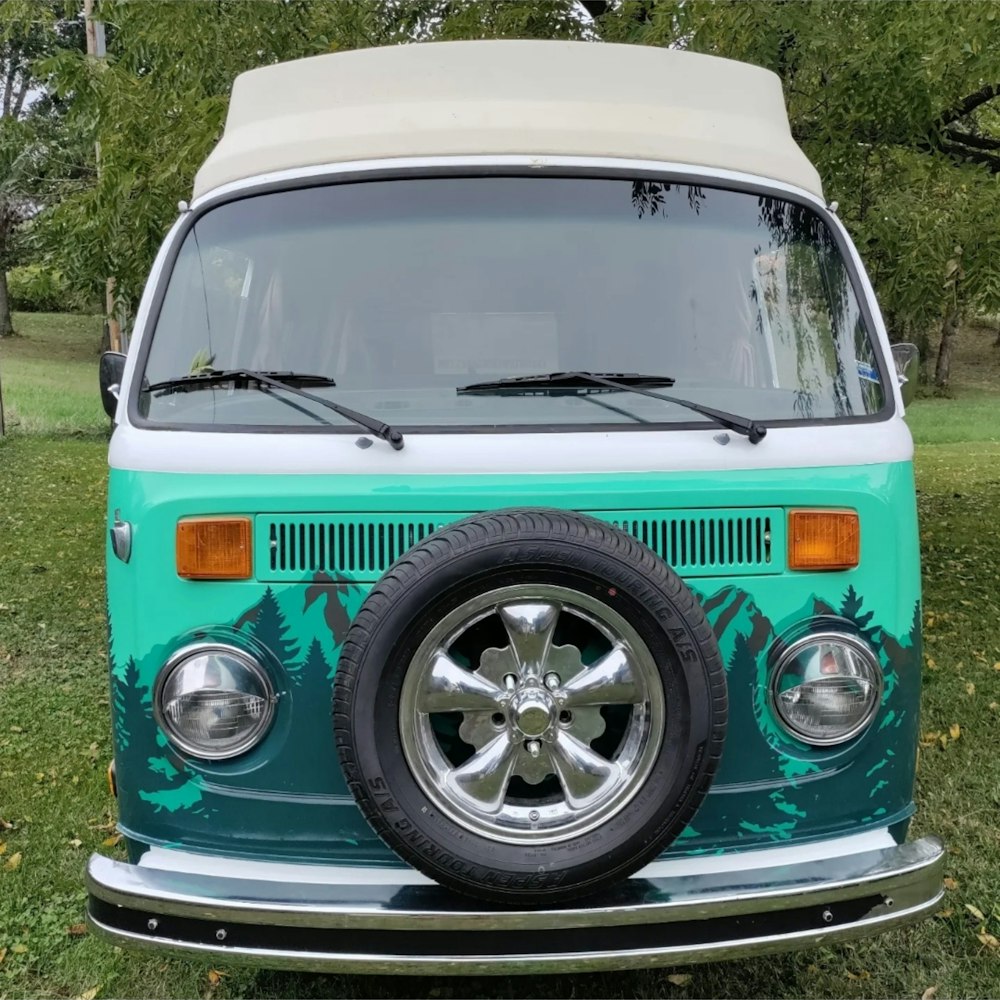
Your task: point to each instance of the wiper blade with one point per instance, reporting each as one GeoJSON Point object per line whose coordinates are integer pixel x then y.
{"type": "Point", "coordinates": [196, 380]}
{"type": "Point", "coordinates": [571, 380]}
{"type": "Point", "coordinates": [287, 381]}
{"type": "Point", "coordinates": [751, 429]}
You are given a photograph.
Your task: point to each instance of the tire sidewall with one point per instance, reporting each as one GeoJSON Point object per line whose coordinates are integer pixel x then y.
{"type": "Point", "coordinates": [422, 831]}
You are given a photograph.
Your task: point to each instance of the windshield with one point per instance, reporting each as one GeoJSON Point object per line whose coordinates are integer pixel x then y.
{"type": "Point", "coordinates": [400, 291]}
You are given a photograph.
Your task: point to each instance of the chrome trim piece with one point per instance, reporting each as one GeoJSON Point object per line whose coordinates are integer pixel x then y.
{"type": "Point", "coordinates": [867, 655]}
{"type": "Point", "coordinates": [181, 656]}
{"type": "Point", "coordinates": [896, 884]}
{"type": "Point", "coordinates": [121, 536]}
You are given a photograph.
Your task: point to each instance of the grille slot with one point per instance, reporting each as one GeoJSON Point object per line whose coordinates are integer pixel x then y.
{"type": "Point", "coordinates": [294, 547]}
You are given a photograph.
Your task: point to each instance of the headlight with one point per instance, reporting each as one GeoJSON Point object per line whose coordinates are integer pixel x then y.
{"type": "Point", "coordinates": [826, 688]}
{"type": "Point", "coordinates": [213, 701]}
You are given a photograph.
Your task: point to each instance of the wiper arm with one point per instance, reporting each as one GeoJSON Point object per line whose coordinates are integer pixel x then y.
{"type": "Point", "coordinates": [751, 429]}
{"type": "Point", "coordinates": [289, 382]}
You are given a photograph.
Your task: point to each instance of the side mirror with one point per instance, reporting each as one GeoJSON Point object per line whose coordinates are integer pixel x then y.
{"type": "Point", "coordinates": [112, 368]}
{"type": "Point", "coordinates": [906, 358]}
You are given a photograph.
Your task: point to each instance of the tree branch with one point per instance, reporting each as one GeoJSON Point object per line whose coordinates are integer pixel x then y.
{"type": "Point", "coordinates": [957, 152]}
{"type": "Point", "coordinates": [967, 104]}
{"type": "Point", "coordinates": [21, 95]}
{"type": "Point", "coordinates": [595, 8]}
{"type": "Point", "coordinates": [968, 139]}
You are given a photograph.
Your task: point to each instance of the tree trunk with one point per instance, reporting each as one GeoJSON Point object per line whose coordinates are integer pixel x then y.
{"type": "Point", "coordinates": [948, 330]}
{"type": "Point", "coordinates": [6, 320]}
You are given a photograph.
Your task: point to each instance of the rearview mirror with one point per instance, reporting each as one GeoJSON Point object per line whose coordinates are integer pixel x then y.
{"type": "Point", "coordinates": [110, 377]}
{"type": "Point", "coordinates": [906, 358]}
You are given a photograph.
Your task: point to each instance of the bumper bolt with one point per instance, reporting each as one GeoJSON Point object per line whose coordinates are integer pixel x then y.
{"type": "Point", "coordinates": [220, 935]}
{"type": "Point", "coordinates": [827, 917]}
{"type": "Point", "coordinates": [152, 924]}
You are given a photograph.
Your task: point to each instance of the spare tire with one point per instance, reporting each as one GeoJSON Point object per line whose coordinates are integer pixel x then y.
{"type": "Point", "coordinates": [529, 706]}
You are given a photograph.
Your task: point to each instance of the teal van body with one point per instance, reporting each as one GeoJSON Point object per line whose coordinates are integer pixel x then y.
{"type": "Point", "coordinates": [287, 800]}
{"type": "Point", "coordinates": [512, 555]}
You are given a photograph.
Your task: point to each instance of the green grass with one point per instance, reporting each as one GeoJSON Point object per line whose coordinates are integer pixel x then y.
{"type": "Point", "coordinates": [49, 375]}
{"type": "Point", "coordinates": [55, 742]}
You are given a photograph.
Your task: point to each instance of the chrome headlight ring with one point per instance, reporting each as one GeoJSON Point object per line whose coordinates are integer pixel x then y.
{"type": "Point", "coordinates": [227, 695]}
{"type": "Point", "coordinates": [849, 681]}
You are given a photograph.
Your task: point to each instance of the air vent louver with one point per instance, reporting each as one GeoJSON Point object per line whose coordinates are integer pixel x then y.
{"type": "Point", "coordinates": [361, 547]}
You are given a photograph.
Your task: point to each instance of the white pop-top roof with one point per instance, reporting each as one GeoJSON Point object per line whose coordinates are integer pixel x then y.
{"type": "Point", "coordinates": [508, 97]}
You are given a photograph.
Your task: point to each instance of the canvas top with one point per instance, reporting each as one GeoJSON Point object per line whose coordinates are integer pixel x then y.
{"type": "Point", "coordinates": [508, 97]}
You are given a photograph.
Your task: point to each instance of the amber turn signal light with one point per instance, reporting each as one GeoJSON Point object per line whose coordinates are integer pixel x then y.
{"type": "Point", "coordinates": [823, 539]}
{"type": "Point", "coordinates": [214, 548]}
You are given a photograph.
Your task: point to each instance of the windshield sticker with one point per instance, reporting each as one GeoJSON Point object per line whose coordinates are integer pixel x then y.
{"type": "Point", "coordinates": [868, 372]}
{"type": "Point", "coordinates": [494, 343]}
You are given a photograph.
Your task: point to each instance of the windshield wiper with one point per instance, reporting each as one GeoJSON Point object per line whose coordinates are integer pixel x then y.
{"type": "Point", "coordinates": [289, 382]}
{"type": "Point", "coordinates": [626, 382]}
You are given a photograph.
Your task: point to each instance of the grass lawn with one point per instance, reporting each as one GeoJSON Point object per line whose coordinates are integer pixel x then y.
{"type": "Point", "coordinates": [55, 807]}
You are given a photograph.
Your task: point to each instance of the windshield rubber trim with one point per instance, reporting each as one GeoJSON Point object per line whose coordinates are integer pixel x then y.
{"type": "Point", "coordinates": [193, 215]}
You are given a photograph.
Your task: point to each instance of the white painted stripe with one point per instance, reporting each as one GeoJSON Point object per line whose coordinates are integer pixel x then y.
{"type": "Point", "coordinates": [508, 454]}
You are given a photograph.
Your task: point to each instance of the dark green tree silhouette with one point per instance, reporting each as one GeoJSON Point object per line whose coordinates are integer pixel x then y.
{"type": "Point", "coordinates": [269, 628]}
{"type": "Point", "coordinates": [315, 664]}
{"type": "Point", "coordinates": [851, 610]}
{"type": "Point", "coordinates": [127, 701]}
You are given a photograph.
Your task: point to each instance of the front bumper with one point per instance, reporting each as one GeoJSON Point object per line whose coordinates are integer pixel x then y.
{"type": "Point", "coordinates": [330, 919]}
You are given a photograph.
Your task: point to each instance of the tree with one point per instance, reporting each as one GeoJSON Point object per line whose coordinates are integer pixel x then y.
{"type": "Point", "coordinates": [31, 149]}
{"type": "Point", "coordinates": [270, 629]}
{"type": "Point", "coordinates": [158, 105]}
{"type": "Point", "coordinates": [898, 104]}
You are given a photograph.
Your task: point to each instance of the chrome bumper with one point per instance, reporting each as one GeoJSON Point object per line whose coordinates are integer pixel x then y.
{"type": "Point", "coordinates": [332, 919]}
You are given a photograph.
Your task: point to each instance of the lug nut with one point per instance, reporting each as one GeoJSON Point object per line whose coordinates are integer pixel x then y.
{"type": "Point", "coordinates": [552, 681]}
{"type": "Point", "coordinates": [533, 747]}
{"type": "Point", "coordinates": [510, 682]}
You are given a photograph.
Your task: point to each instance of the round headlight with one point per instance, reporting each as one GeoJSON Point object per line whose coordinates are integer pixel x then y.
{"type": "Point", "coordinates": [214, 701]}
{"type": "Point", "coordinates": [826, 688]}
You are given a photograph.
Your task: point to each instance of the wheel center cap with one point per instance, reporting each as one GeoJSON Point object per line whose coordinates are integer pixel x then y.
{"type": "Point", "coordinates": [534, 712]}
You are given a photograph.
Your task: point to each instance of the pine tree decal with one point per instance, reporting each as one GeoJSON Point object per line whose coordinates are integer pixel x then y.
{"type": "Point", "coordinates": [124, 695]}
{"type": "Point", "coordinates": [269, 628]}
{"type": "Point", "coordinates": [851, 609]}
{"type": "Point", "coordinates": [315, 664]}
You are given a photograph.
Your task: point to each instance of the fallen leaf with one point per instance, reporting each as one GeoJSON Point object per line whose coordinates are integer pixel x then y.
{"type": "Point", "coordinates": [989, 940]}
{"type": "Point", "coordinates": [88, 994]}
{"type": "Point", "coordinates": [215, 976]}
{"type": "Point", "coordinates": [945, 914]}
{"type": "Point", "coordinates": [3, 955]}
{"type": "Point", "coordinates": [950, 883]}
{"type": "Point", "coordinates": [19, 949]}
{"type": "Point", "coordinates": [970, 688]}
{"type": "Point", "coordinates": [679, 979]}
{"type": "Point", "coordinates": [3, 847]}
{"type": "Point", "coordinates": [76, 930]}
{"type": "Point", "coordinates": [76, 842]}
{"type": "Point", "coordinates": [975, 911]}
{"type": "Point", "coordinates": [112, 840]}
{"type": "Point", "coordinates": [13, 862]}
{"type": "Point", "coordinates": [929, 994]}
{"type": "Point", "coordinates": [931, 665]}
{"type": "Point", "coordinates": [954, 730]}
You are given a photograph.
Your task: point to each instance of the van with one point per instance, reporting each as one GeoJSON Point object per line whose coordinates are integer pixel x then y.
{"type": "Point", "coordinates": [512, 545]}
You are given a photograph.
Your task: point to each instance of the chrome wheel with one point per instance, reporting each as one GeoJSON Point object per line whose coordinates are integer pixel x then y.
{"type": "Point", "coordinates": [531, 714]}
